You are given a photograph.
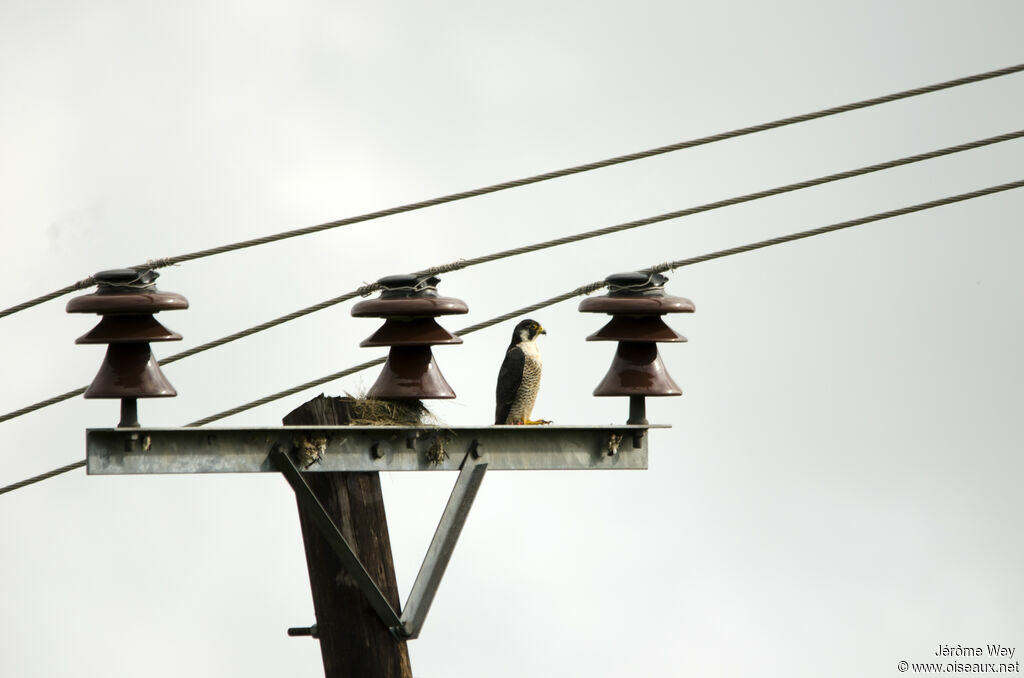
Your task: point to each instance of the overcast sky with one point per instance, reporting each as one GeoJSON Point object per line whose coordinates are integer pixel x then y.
{"type": "Point", "coordinates": [841, 488]}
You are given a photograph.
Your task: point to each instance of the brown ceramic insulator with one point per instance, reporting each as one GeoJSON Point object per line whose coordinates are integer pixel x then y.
{"type": "Point", "coordinates": [120, 329]}
{"type": "Point", "coordinates": [637, 370]}
{"type": "Point", "coordinates": [409, 307]}
{"type": "Point", "coordinates": [636, 328]}
{"type": "Point", "coordinates": [130, 371]}
{"type": "Point", "coordinates": [410, 332]}
{"type": "Point", "coordinates": [409, 303]}
{"type": "Point", "coordinates": [410, 372]}
{"type": "Point", "coordinates": [127, 300]}
{"type": "Point", "coordinates": [637, 305]}
{"type": "Point", "coordinates": [136, 303]}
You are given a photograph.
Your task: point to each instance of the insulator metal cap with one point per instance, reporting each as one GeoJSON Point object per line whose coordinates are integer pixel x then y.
{"type": "Point", "coordinates": [408, 285]}
{"type": "Point", "coordinates": [129, 278]}
{"type": "Point", "coordinates": [409, 296]}
{"type": "Point", "coordinates": [129, 291]}
{"type": "Point", "coordinates": [636, 283]}
{"type": "Point", "coordinates": [638, 294]}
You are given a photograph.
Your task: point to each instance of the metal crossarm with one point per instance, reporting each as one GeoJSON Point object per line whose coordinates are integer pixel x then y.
{"type": "Point", "coordinates": [472, 451]}
{"type": "Point", "coordinates": [366, 448]}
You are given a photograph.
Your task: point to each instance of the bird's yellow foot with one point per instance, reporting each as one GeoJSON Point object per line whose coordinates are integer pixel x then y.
{"type": "Point", "coordinates": [536, 422]}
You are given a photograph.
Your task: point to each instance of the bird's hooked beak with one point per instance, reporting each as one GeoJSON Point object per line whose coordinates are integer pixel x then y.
{"type": "Point", "coordinates": [542, 331]}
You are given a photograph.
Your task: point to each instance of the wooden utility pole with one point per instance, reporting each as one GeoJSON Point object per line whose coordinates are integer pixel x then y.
{"type": "Point", "coordinates": [353, 640]}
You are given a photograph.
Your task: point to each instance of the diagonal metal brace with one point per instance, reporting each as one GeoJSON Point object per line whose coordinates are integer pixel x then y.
{"type": "Point", "coordinates": [439, 553]}
{"type": "Point", "coordinates": [471, 474]}
{"type": "Point", "coordinates": [349, 560]}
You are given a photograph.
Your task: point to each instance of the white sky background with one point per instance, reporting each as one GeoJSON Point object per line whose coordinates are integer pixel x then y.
{"type": "Point", "coordinates": [842, 486]}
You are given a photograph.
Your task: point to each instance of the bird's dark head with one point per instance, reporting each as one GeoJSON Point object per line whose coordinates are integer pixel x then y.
{"type": "Point", "coordinates": [527, 330]}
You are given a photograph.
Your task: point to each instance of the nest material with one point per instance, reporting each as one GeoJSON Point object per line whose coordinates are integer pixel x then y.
{"type": "Point", "coordinates": [437, 453]}
{"type": "Point", "coordinates": [310, 451]}
{"type": "Point", "coordinates": [370, 412]}
{"type": "Point", "coordinates": [361, 411]}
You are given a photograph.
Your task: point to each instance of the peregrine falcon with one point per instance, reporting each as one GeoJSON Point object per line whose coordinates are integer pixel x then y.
{"type": "Point", "coordinates": [519, 377]}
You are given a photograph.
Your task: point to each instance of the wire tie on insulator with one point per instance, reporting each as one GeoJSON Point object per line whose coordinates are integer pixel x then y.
{"type": "Point", "coordinates": [367, 289]}
{"type": "Point", "coordinates": [163, 262]}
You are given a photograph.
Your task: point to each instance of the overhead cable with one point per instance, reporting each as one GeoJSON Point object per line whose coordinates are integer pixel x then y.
{"type": "Point", "coordinates": [586, 289]}
{"type": "Point", "coordinates": [689, 211]}
{"type": "Point", "coordinates": [41, 477]}
{"type": "Point", "coordinates": [594, 286]}
{"type": "Point", "coordinates": [466, 263]}
{"type": "Point", "coordinates": [629, 157]}
{"type": "Point", "coordinates": [579, 291]}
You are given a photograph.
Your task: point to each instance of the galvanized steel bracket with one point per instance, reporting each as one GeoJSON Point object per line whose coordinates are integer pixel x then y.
{"type": "Point", "coordinates": [472, 451]}
{"type": "Point", "coordinates": [435, 562]}
{"type": "Point", "coordinates": [365, 448]}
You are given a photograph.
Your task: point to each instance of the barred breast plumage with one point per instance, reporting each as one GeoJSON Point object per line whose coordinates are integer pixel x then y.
{"type": "Point", "coordinates": [526, 396]}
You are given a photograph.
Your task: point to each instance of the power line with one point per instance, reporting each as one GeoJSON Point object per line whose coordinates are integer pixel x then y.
{"type": "Point", "coordinates": [594, 286]}
{"type": "Point", "coordinates": [168, 261]}
{"type": "Point", "coordinates": [579, 291]}
{"type": "Point", "coordinates": [42, 476]}
{"type": "Point", "coordinates": [287, 392]}
{"type": "Point", "coordinates": [466, 263]}
{"type": "Point", "coordinates": [734, 201]}
{"type": "Point", "coordinates": [44, 403]}
{"type": "Point", "coordinates": [679, 263]}
{"type": "Point", "coordinates": [586, 289]}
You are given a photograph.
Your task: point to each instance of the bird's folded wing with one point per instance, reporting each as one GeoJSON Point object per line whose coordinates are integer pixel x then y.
{"type": "Point", "coordinates": [510, 376]}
